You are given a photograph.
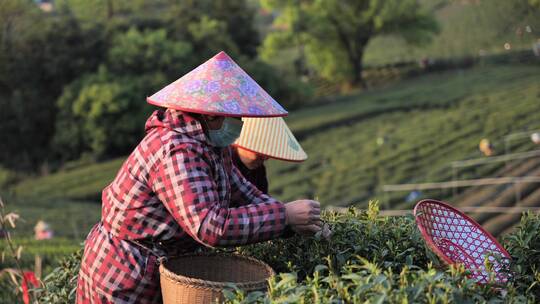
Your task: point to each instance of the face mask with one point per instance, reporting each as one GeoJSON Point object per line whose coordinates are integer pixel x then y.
{"type": "Point", "coordinates": [229, 132]}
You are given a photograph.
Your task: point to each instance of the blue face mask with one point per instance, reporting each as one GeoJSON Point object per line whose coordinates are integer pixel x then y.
{"type": "Point", "coordinates": [229, 132]}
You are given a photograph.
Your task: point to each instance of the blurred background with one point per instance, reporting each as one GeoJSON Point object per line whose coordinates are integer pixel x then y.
{"type": "Point", "coordinates": [394, 100]}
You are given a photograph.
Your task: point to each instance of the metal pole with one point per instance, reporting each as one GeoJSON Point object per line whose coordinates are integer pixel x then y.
{"type": "Point", "coordinates": [463, 183]}
{"type": "Point", "coordinates": [517, 190]}
{"type": "Point", "coordinates": [454, 178]}
{"type": "Point", "coordinates": [506, 147]}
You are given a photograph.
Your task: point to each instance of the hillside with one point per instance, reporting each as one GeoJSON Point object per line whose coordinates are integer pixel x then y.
{"type": "Point", "coordinates": [425, 123]}
{"type": "Point", "coordinates": [425, 126]}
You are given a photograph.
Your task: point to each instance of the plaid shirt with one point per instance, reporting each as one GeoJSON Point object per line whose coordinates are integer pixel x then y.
{"type": "Point", "coordinates": [174, 187]}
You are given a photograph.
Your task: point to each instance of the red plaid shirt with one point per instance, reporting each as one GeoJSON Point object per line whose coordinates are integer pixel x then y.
{"type": "Point", "coordinates": [176, 188]}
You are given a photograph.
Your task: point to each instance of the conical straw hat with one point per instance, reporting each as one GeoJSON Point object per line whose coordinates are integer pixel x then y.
{"type": "Point", "coordinates": [218, 87]}
{"type": "Point", "coordinates": [41, 225]}
{"type": "Point", "coordinates": [270, 137]}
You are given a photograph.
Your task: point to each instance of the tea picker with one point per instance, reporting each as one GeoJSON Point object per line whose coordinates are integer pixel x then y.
{"type": "Point", "coordinates": [179, 191]}
{"type": "Point", "coordinates": [42, 231]}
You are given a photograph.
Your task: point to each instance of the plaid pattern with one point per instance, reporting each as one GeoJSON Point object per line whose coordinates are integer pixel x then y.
{"type": "Point", "coordinates": [175, 188]}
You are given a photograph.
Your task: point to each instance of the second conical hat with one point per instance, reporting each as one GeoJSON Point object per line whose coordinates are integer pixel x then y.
{"type": "Point", "coordinates": [218, 87]}
{"type": "Point", "coordinates": [270, 137]}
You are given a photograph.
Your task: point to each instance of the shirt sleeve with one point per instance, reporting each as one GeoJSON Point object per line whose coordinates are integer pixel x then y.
{"type": "Point", "coordinates": [184, 184]}
{"type": "Point", "coordinates": [244, 192]}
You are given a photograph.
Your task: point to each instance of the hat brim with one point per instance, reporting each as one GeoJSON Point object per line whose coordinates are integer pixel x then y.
{"type": "Point", "coordinates": [270, 137]}
{"type": "Point", "coordinates": [271, 156]}
{"type": "Point", "coordinates": [184, 109]}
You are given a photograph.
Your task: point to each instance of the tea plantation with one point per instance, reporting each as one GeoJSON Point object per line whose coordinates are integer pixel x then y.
{"type": "Point", "coordinates": [368, 259]}
{"type": "Point", "coordinates": [424, 128]}
{"type": "Point", "coordinates": [404, 133]}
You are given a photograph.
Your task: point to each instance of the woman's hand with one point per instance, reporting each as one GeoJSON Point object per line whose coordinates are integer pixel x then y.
{"type": "Point", "coordinates": [310, 230]}
{"type": "Point", "coordinates": [306, 230]}
{"type": "Point", "coordinates": [304, 216]}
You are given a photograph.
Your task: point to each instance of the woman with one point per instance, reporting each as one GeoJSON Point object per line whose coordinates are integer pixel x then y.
{"type": "Point", "coordinates": [178, 190]}
{"type": "Point", "coordinates": [261, 139]}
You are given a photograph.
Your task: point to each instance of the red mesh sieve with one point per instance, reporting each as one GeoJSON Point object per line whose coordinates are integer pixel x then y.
{"type": "Point", "coordinates": [458, 239]}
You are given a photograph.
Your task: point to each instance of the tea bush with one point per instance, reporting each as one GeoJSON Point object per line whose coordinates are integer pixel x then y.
{"type": "Point", "coordinates": [390, 242]}
{"type": "Point", "coordinates": [368, 283]}
{"type": "Point", "coordinates": [61, 284]}
{"type": "Point", "coordinates": [524, 246]}
{"type": "Point", "coordinates": [368, 259]}
{"type": "Point", "coordinates": [384, 260]}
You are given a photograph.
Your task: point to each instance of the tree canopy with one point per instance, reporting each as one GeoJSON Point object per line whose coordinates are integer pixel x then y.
{"type": "Point", "coordinates": [74, 80]}
{"type": "Point", "coordinates": [332, 35]}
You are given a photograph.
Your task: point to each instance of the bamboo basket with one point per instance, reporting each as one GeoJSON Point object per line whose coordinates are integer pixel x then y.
{"type": "Point", "coordinates": [201, 278]}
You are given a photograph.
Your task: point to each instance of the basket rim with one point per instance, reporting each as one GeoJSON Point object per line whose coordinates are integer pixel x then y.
{"type": "Point", "coordinates": [215, 285]}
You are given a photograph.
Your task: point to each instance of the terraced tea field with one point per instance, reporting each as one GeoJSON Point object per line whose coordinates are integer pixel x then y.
{"type": "Point", "coordinates": [347, 166]}
{"type": "Point", "coordinates": [507, 195]}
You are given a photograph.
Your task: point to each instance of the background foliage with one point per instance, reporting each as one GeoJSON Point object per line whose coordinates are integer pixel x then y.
{"type": "Point", "coordinates": [70, 77]}
{"type": "Point", "coordinates": [331, 36]}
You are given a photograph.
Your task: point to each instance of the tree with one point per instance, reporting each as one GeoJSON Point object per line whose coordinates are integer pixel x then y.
{"type": "Point", "coordinates": [103, 11]}
{"type": "Point", "coordinates": [39, 53]}
{"type": "Point", "coordinates": [215, 25]}
{"type": "Point", "coordinates": [335, 33]}
{"type": "Point", "coordinates": [137, 52]}
{"type": "Point", "coordinates": [103, 113]}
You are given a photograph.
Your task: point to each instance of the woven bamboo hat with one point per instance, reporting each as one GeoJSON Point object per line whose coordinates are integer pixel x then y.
{"type": "Point", "coordinates": [218, 87]}
{"type": "Point", "coordinates": [270, 137]}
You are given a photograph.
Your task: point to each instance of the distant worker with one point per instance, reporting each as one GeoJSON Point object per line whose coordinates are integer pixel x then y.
{"type": "Point", "coordinates": [43, 231]}
{"type": "Point", "coordinates": [261, 139]}
{"type": "Point", "coordinates": [535, 137]}
{"type": "Point", "coordinates": [178, 191]}
{"type": "Point", "coordinates": [425, 63]}
{"type": "Point", "coordinates": [486, 147]}
{"type": "Point", "coordinates": [413, 196]}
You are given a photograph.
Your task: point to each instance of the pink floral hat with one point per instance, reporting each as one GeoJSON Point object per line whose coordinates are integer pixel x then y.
{"type": "Point", "coordinates": [218, 87]}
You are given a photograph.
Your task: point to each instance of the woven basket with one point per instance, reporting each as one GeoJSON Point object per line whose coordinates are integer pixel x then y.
{"type": "Point", "coordinates": [201, 278]}
{"type": "Point", "coordinates": [458, 239]}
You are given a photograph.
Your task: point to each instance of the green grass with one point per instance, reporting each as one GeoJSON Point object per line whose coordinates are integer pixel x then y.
{"type": "Point", "coordinates": [434, 90]}
{"type": "Point", "coordinates": [50, 252]}
{"type": "Point", "coordinates": [79, 183]}
{"type": "Point", "coordinates": [69, 219]}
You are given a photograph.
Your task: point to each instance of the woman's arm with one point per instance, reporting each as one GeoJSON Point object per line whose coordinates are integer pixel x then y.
{"type": "Point", "coordinates": [184, 184]}
{"type": "Point", "coordinates": [244, 192]}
